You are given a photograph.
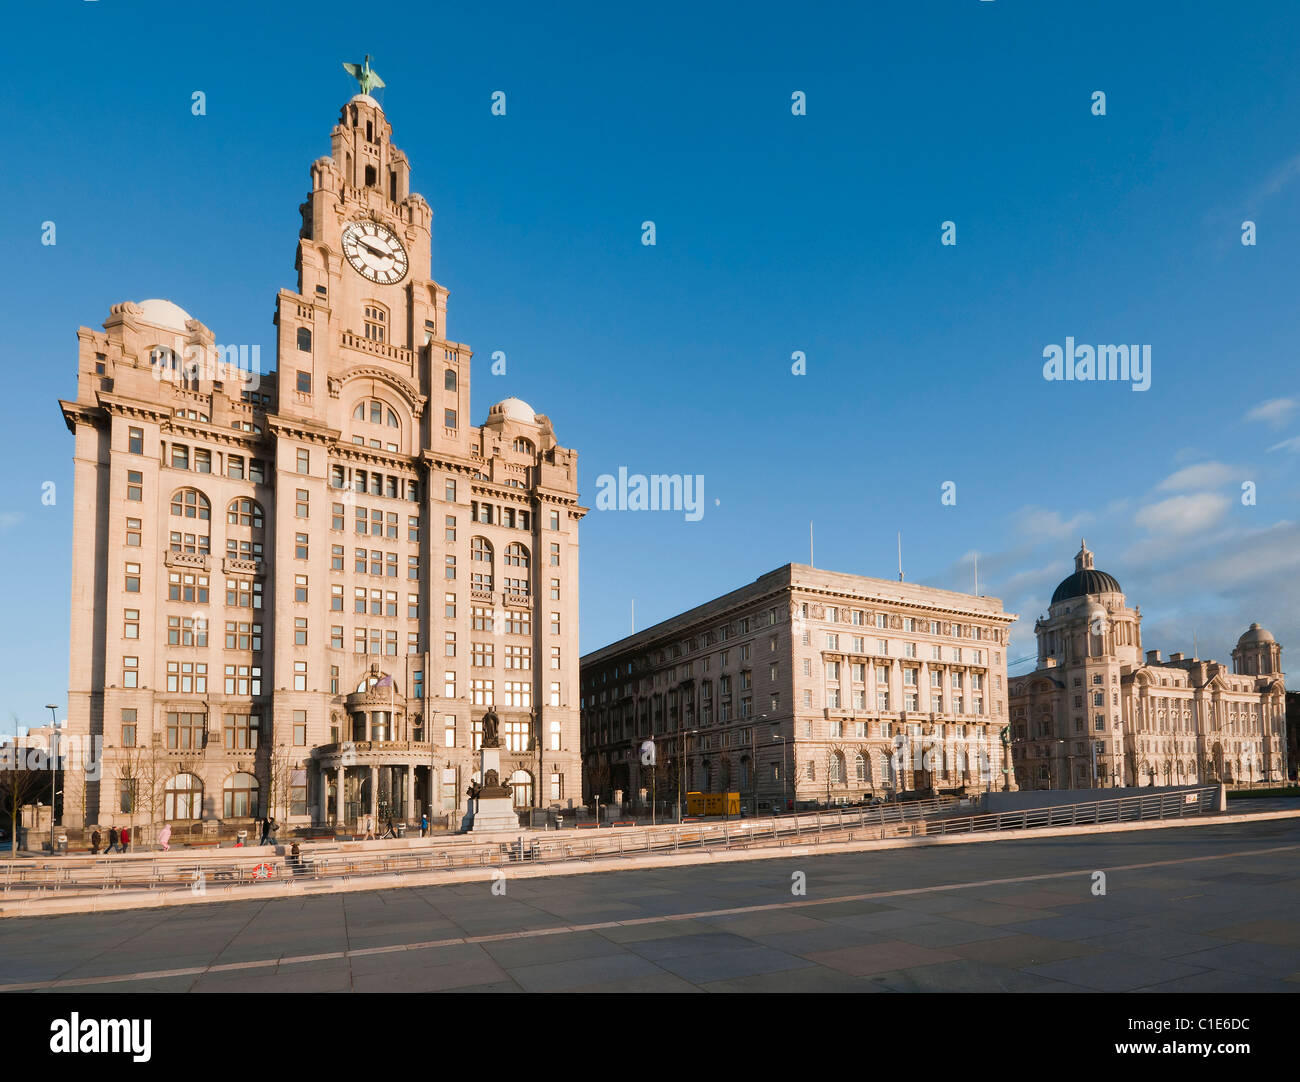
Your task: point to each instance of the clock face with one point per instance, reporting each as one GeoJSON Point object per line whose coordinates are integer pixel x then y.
{"type": "Point", "coordinates": [375, 252]}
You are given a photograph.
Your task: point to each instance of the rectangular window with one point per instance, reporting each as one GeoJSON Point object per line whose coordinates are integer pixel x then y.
{"type": "Point", "coordinates": [555, 657]}
{"type": "Point", "coordinates": [336, 636]}
{"type": "Point", "coordinates": [131, 624]}
{"type": "Point", "coordinates": [449, 684]}
{"type": "Point", "coordinates": [134, 485]}
{"type": "Point", "coordinates": [300, 728]}
{"type": "Point", "coordinates": [303, 385]}
{"type": "Point", "coordinates": [299, 588]}
{"type": "Point", "coordinates": [241, 732]}
{"type": "Point", "coordinates": [449, 418]}
{"type": "Point", "coordinates": [300, 506]}
{"type": "Point", "coordinates": [300, 545]}
{"type": "Point", "coordinates": [128, 727]}
{"type": "Point", "coordinates": [185, 731]}
{"type": "Point", "coordinates": [132, 578]}
{"type": "Point", "coordinates": [135, 441]}
{"type": "Point", "coordinates": [300, 631]}
{"type": "Point", "coordinates": [130, 672]}
{"type": "Point", "coordinates": [449, 730]}
{"type": "Point", "coordinates": [300, 676]}
{"type": "Point", "coordinates": [304, 456]}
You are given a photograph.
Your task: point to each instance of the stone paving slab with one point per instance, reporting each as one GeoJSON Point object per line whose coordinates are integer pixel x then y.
{"type": "Point", "coordinates": [1014, 918]}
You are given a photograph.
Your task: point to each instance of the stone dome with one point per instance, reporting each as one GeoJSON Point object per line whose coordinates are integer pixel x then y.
{"type": "Point", "coordinates": [1086, 579]}
{"type": "Point", "coordinates": [1255, 635]}
{"type": "Point", "coordinates": [514, 409]}
{"type": "Point", "coordinates": [165, 314]}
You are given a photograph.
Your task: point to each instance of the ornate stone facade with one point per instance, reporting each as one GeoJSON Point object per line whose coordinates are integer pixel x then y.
{"type": "Point", "coordinates": [806, 686]}
{"type": "Point", "coordinates": [1097, 712]}
{"type": "Point", "coordinates": [299, 592]}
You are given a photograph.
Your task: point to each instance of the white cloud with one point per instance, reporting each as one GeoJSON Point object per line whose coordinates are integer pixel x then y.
{"type": "Point", "coordinates": [9, 519]}
{"type": "Point", "coordinates": [1293, 444]}
{"type": "Point", "coordinates": [1204, 475]}
{"type": "Point", "coordinates": [1275, 411]}
{"type": "Point", "coordinates": [1035, 524]}
{"type": "Point", "coordinates": [1183, 514]}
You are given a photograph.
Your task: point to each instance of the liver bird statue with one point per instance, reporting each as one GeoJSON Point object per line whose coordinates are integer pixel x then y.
{"type": "Point", "coordinates": [364, 74]}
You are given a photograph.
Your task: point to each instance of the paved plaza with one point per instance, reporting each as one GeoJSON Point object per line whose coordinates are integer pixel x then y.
{"type": "Point", "coordinates": [1213, 908]}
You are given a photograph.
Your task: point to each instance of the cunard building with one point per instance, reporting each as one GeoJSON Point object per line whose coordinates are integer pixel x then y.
{"type": "Point", "coordinates": [299, 593]}
{"type": "Point", "coordinates": [806, 686]}
{"type": "Point", "coordinates": [1099, 711]}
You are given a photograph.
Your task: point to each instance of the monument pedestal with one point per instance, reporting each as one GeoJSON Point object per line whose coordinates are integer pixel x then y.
{"type": "Point", "coordinates": [493, 808]}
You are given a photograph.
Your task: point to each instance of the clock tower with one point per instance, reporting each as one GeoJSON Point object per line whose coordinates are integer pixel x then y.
{"type": "Point", "coordinates": [365, 296]}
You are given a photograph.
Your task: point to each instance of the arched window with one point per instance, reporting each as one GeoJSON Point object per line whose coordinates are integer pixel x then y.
{"type": "Point", "coordinates": [183, 798]}
{"type": "Point", "coordinates": [375, 412]}
{"type": "Point", "coordinates": [376, 680]}
{"type": "Point", "coordinates": [480, 551]}
{"type": "Point", "coordinates": [376, 322]}
{"type": "Point", "coordinates": [521, 444]}
{"type": "Point", "coordinates": [861, 770]}
{"type": "Point", "coordinates": [449, 379]}
{"type": "Point", "coordinates": [521, 786]}
{"type": "Point", "coordinates": [304, 339]}
{"type": "Point", "coordinates": [245, 512]}
{"type": "Point", "coordinates": [162, 357]}
{"type": "Point", "coordinates": [836, 767]}
{"type": "Point", "coordinates": [239, 796]}
{"type": "Point", "coordinates": [516, 555]}
{"type": "Point", "coordinates": [190, 503]}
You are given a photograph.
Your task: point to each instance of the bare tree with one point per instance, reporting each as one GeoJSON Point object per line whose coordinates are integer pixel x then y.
{"type": "Point", "coordinates": [18, 784]}
{"type": "Point", "coordinates": [281, 768]}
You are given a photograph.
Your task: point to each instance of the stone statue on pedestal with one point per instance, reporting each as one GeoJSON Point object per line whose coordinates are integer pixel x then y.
{"type": "Point", "coordinates": [491, 727]}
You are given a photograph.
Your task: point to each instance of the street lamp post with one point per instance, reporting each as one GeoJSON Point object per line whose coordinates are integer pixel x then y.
{"type": "Point", "coordinates": [785, 782]}
{"type": "Point", "coordinates": [54, 765]}
{"type": "Point", "coordinates": [682, 734]}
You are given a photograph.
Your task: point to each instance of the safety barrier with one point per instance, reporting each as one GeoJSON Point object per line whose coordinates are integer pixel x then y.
{"type": "Point", "coordinates": [64, 876]}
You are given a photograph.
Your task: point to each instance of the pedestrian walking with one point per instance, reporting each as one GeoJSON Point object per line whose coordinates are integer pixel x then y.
{"type": "Point", "coordinates": [94, 843]}
{"type": "Point", "coordinates": [165, 837]}
{"type": "Point", "coordinates": [266, 830]}
{"type": "Point", "coordinates": [370, 830]}
{"type": "Point", "coordinates": [271, 827]}
{"type": "Point", "coordinates": [424, 824]}
{"type": "Point", "coordinates": [112, 840]}
{"type": "Point", "coordinates": [124, 840]}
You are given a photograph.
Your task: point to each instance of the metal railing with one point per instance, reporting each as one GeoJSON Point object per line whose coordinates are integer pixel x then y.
{"type": "Point", "coordinates": [319, 863]}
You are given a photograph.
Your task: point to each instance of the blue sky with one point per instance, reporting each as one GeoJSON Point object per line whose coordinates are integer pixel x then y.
{"type": "Point", "coordinates": [775, 233]}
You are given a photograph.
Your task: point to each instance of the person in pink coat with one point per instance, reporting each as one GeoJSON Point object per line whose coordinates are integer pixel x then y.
{"type": "Point", "coordinates": [165, 836]}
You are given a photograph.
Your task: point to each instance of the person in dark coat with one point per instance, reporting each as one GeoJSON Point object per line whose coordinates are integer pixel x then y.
{"type": "Point", "coordinates": [94, 843]}
{"type": "Point", "coordinates": [266, 831]}
{"type": "Point", "coordinates": [112, 840]}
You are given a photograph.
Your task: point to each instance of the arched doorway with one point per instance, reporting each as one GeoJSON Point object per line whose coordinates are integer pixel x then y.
{"type": "Point", "coordinates": [239, 796]}
{"type": "Point", "coordinates": [183, 798]}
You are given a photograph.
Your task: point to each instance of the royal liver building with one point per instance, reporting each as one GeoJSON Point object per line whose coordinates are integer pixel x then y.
{"type": "Point", "coordinates": [1098, 712]}
{"type": "Point", "coordinates": [298, 593]}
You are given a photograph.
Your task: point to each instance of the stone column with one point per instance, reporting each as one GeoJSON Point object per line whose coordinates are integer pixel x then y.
{"type": "Point", "coordinates": [338, 797]}
{"type": "Point", "coordinates": [324, 796]}
{"type": "Point", "coordinates": [374, 793]}
{"type": "Point", "coordinates": [408, 807]}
